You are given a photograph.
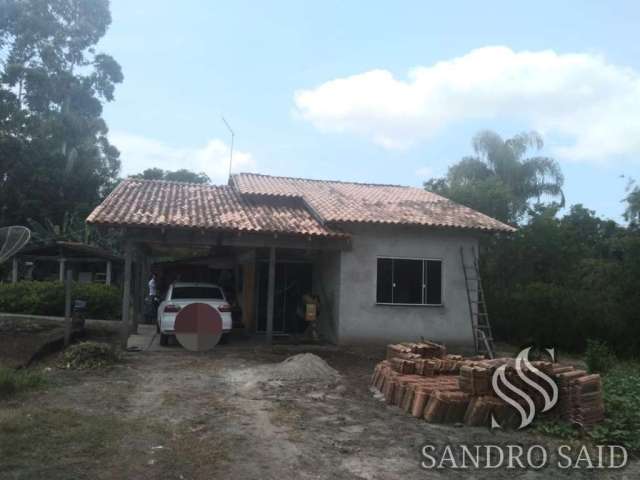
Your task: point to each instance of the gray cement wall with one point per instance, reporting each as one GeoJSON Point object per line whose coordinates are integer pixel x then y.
{"type": "Point", "coordinates": [326, 283]}
{"type": "Point", "coordinates": [360, 319]}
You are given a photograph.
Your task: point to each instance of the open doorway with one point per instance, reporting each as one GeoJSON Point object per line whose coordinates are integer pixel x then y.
{"type": "Point", "coordinates": [293, 280]}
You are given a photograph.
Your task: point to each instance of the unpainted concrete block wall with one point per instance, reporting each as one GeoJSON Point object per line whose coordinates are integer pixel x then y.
{"type": "Point", "coordinates": [361, 320]}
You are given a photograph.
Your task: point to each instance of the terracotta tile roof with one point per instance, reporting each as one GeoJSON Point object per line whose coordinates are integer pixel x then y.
{"type": "Point", "coordinates": [154, 203]}
{"type": "Point", "coordinates": [347, 202]}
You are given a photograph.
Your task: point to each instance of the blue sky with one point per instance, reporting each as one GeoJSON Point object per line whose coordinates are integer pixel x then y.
{"type": "Point", "coordinates": [388, 92]}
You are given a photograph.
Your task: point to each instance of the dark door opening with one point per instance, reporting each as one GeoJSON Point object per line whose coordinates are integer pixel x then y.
{"type": "Point", "coordinates": [293, 280]}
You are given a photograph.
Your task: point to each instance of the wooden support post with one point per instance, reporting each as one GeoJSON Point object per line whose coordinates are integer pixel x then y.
{"type": "Point", "coordinates": [138, 292]}
{"type": "Point", "coordinates": [126, 295]}
{"type": "Point", "coordinates": [249, 297]}
{"type": "Point", "coordinates": [108, 273]}
{"type": "Point", "coordinates": [141, 287]}
{"type": "Point", "coordinates": [14, 270]}
{"type": "Point", "coordinates": [61, 263]}
{"type": "Point", "coordinates": [135, 284]}
{"type": "Point", "coordinates": [271, 291]}
{"type": "Point", "coordinates": [67, 308]}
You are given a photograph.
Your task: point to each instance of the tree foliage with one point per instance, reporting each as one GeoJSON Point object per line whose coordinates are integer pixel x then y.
{"type": "Point", "coordinates": [54, 154]}
{"type": "Point", "coordinates": [632, 212]}
{"type": "Point", "coordinates": [499, 179]}
{"type": "Point", "coordinates": [561, 279]}
{"type": "Point", "coordinates": [181, 175]}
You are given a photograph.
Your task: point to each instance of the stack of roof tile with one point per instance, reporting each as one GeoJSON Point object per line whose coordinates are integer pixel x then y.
{"type": "Point", "coordinates": [480, 408]}
{"type": "Point", "coordinates": [403, 366]}
{"type": "Point", "coordinates": [475, 380]}
{"type": "Point", "coordinates": [414, 351]}
{"type": "Point", "coordinates": [446, 407]}
{"type": "Point", "coordinates": [422, 380]}
{"type": "Point", "coordinates": [587, 402]}
{"type": "Point", "coordinates": [564, 380]}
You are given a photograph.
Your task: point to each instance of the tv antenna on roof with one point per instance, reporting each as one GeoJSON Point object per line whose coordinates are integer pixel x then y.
{"type": "Point", "coordinates": [231, 149]}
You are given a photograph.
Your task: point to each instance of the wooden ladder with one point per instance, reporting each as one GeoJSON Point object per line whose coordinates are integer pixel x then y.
{"type": "Point", "coordinates": [482, 335]}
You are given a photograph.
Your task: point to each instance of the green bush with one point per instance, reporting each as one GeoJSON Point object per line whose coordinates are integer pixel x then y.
{"type": "Point", "coordinates": [47, 298]}
{"type": "Point", "coordinates": [599, 357]}
{"type": "Point", "coordinates": [14, 381]}
{"type": "Point", "coordinates": [621, 425]}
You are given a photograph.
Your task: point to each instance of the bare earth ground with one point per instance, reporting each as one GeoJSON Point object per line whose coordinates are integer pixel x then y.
{"type": "Point", "coordinates": [172, 414]}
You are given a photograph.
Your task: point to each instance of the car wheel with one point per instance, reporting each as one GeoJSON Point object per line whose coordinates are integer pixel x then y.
{"type": "Point", "coordinates": [164, 339]}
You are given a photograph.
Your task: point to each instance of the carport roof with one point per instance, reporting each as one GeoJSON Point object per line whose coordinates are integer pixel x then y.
{"type": "Point", "coordinates": [156, 203]}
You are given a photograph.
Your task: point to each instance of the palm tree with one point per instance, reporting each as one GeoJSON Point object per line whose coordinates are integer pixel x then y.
{"type": "Point", "coordinates": [499, 180]}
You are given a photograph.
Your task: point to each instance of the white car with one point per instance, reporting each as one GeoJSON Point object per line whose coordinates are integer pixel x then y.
{"type": "Point", "coordinates": [181, 294]}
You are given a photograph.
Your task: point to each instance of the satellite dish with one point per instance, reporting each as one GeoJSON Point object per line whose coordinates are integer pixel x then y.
{"type": "Point", "coordinates": [12, 239]}
{"type": "Point", "coordinates": [198, 327]}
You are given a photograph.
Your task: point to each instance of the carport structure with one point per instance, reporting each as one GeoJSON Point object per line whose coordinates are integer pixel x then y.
{"type": "Point", "coordinates": [221, 225]}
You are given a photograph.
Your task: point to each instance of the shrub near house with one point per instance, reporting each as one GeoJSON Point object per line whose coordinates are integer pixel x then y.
{"type": "Point", "coordinates": [47, 298]}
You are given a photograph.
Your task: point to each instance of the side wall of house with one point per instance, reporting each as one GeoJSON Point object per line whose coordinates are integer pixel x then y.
{"type": "Point", "coordinates": [362, 320]}
{"type": "Point", "coordinates": [326, 283]}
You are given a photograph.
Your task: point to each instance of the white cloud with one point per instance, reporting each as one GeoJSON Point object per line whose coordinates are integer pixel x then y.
{"type": "Point", "coordinates": [138, 153]}
{"type": "Point", "coordinates": [424, 173]}
{"type": "Point", "coordinates": [589, 103]}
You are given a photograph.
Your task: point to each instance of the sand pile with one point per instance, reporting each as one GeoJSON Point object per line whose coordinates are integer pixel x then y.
{"type": "Point", "coordinates": [298, 368]}
{"type": "Point", "coordinates": [304, 366]}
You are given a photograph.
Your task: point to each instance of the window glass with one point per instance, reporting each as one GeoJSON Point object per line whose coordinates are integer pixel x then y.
{"type": "Point", "coordinates": [407, 279]}
{"type": "Point", "coordinates": [385, 281]}
{"type": "Point", "coordinates": [209, 293]}
{"type": "Point", "coordinates": [433, 275]}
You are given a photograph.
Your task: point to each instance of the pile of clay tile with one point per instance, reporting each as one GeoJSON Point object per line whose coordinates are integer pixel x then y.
{"type": "Point", "coordinates": [426, 382]}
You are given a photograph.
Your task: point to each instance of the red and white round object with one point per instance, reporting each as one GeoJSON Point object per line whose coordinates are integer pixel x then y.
{"type": "Point", "coordinates": [198, 327]}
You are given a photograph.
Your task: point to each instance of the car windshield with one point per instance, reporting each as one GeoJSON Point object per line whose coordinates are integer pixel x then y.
{"type": "Point", "coordinates": [212, 293]}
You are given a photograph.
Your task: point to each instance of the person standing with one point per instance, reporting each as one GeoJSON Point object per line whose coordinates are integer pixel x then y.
{"type": "Point", "coordinates": [151, 302]}
{"type": "Point", "coordinates": [153, 291]}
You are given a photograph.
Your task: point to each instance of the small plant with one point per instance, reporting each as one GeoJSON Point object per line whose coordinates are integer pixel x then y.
{"type": "Point", "coordinates": [89, 355]}
{"type": "Point", "coordinates": [555, 428]}
{"type": "Point", "coordinates": [14, 381]}
{"type": "Point", "coordinates": [599, 357]}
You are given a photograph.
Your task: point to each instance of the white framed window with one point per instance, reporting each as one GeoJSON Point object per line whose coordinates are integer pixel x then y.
{"type": "Point", "coordinates": [409, 281]}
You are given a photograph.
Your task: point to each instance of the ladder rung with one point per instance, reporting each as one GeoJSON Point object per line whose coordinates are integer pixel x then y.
{"type": "Point", "coordinates": [479, 317]}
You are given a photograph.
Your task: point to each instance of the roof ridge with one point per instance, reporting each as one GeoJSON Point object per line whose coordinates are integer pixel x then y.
{"type": "Point", "coordinates": [367, 184]}
{"type": "Point", "coordinates": [173, 182]}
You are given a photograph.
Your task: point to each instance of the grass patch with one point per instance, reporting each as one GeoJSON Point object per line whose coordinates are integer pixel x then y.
{"type": "Point", "coordinates": [59, 442]}
{"type": "Point", "coordinates": [15, 381]}
{"type": "Point", "coordinates": [621, 425]}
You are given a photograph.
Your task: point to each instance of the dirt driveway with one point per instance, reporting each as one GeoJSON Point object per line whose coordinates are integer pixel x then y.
{"type": "Point", "coordinates": [178, 415]}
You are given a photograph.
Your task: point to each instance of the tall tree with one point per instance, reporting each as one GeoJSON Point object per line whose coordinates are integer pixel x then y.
{"type": "Point", "coordinates": [632, 199]}
{"type": "Point", "coordinates": [500, 180]}
{"type": "Point", "coordinates": [54, 153]}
